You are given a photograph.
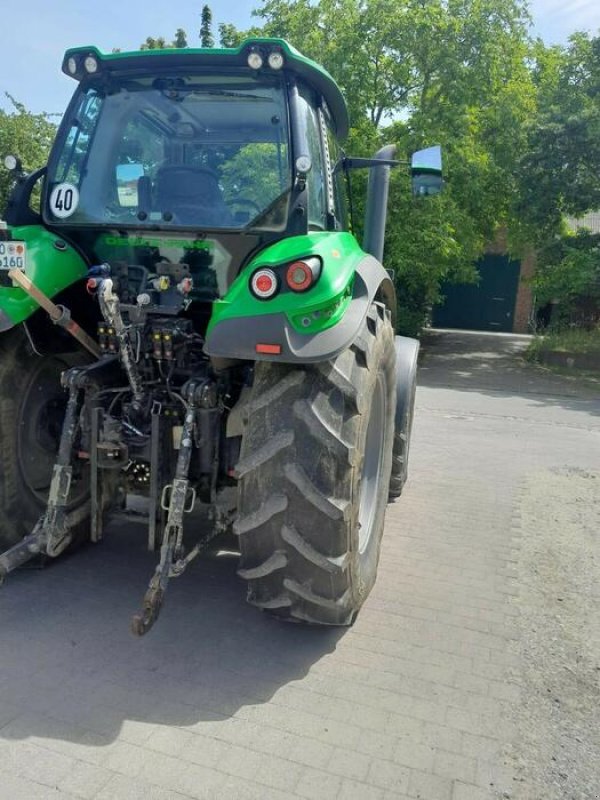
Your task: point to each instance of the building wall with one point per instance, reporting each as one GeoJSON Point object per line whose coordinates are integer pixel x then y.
{"type": "Point", "coordinates": [524, 301]}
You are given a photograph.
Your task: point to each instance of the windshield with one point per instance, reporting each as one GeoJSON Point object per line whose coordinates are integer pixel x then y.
{"type": "Point", "coordinates": [197, 151]}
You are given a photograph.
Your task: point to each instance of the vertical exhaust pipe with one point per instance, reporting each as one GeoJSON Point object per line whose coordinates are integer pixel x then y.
{"type": "Point", "coordinates": [377, 200]}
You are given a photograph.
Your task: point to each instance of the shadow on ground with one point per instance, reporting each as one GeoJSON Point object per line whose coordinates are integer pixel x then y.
{"type": "Point", "coordinates": [494, 365]}
{"type": "Point", "coordinates": [66, 653]}
{"type": "Point", "coordinates": [69, 667]}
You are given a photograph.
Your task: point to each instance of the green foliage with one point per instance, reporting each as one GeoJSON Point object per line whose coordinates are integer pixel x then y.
{"type": "Point", "coordinates": [571, 341]}
{"type": "Point", "coordinates": [253, 175]}
{"type": "Point", "coordinates": [568, 275]}
{"type": "Point", "coordinates": [160, 43]}
{"type": "Point", "coordinates": [180, 39]}
{"type": "Point", "coordinates": [206, 37]}
{"type": "Point", "coordinates": [25, 135]}
{"type": "Point", "coordinates": [229, 36]}
{"type": "Point", "coordinates": [362, 44]}
{"type": "Point", "coordinates": [559, 174]}
{"type": "Point", "coordinates": [570, 267]}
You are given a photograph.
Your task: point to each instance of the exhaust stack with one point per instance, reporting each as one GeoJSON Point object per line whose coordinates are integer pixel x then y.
{"type": "Point", "coordinates": [377, 200]}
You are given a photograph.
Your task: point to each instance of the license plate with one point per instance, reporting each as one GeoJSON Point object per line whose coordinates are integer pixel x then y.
{"type": "Point", "coordinates": [13, 255]}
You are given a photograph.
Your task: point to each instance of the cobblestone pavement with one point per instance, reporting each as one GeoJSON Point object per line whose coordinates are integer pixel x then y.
{"type": "Point", "coordinates": [419, 699]}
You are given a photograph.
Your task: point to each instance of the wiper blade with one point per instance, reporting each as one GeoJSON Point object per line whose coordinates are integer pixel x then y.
{"type": "Point", "coordinates": [229, 93]}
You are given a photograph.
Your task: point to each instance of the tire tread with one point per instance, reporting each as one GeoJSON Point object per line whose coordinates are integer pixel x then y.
{"type": "Point", "coordinates": [294, 544]}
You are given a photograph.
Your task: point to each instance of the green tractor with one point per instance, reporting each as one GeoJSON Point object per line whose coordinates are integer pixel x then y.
{"type": "Point", "coordinates": [186, 317]}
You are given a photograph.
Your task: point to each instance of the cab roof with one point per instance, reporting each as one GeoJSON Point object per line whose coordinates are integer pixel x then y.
{"type": "Point", "coordinates": [152, 60]}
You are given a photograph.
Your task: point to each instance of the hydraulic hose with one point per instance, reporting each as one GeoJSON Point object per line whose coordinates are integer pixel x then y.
{"type": "Point", "coordinates": [110, 307]}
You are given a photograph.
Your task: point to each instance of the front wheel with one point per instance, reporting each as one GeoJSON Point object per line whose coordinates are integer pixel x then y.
{"type": "Point", "coordinates": [314, 473]}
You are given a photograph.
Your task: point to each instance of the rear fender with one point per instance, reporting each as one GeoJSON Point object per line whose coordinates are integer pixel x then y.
{"type": "Point", "coordinates": [407, 352]}
{"type": "Point", "coordinates": [53, 265]}
{"type": "Point", "coordinates": [238, 337]}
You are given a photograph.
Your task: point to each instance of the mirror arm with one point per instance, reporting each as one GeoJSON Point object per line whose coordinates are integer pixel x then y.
{"type": "Point", "coordinates": [17, 210]}
{"type": "Point", "coordinates": [349, 162]}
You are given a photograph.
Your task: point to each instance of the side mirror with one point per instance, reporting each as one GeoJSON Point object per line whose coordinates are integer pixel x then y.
{"type": "Point", "coordinates": [426, 171]}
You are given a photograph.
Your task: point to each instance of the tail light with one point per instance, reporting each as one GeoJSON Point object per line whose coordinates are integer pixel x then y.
{"type": "Point", "coordinates": [301, 275]}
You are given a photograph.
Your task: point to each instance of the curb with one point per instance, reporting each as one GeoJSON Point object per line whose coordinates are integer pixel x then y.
{"type": "Point", "coordinates": [560, 358]}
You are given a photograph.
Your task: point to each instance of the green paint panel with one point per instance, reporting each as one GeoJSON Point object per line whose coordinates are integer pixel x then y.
{"type": "Point", "coordinates": [339, 253]}
{"type": "Point", "coordinates": [486, 306]}
{"type": "Point", "coordinates": [50, 269]}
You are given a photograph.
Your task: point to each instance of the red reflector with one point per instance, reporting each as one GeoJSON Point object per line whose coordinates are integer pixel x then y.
{"type": "Point", "coordinates": [264, 283]}
{"type": "Point", "coordinates": [270, 349]}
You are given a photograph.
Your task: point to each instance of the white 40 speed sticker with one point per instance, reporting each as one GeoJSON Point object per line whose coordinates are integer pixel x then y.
{"type": "Point", "coordinates": [64, 200]}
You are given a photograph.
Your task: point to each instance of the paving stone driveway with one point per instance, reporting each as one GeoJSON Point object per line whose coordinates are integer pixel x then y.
{"type": "Point", "coordinates": [418, 700]}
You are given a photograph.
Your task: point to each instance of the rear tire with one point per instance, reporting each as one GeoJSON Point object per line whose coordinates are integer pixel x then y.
{"type": "Point", "coordinates": [314, 473]}
{"type": "Point", "coordinates": [32, 404]}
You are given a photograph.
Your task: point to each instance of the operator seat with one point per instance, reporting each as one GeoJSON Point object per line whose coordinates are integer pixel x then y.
{"type": "Point", "coordinates": [192, 195]}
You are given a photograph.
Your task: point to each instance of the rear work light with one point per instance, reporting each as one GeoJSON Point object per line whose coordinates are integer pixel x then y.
{"type": "Point", "coordinates": [91, 65]}
{"type": "Point", "coordinates": [264, 284]}
{"type": "Point", "coordinates": [275, 59]}
{"type": "Point", "coordinates": [255, 59]}
{"type": "Point", "coordinates": [301, 275]}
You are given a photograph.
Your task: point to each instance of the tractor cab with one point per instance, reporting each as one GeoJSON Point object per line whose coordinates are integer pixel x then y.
{"type": "Point", "coordinates": [175, 154]}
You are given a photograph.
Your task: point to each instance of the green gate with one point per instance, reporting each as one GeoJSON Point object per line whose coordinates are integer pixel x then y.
{"type": "Point", "coordinates": [485, 306]}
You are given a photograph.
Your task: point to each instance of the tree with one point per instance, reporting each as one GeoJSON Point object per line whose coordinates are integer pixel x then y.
{"type": "Point", "coordinates": [229, 36]}
{"type": "Point", "coordinates": [206, 37]}
{"type": "Point", "coordinates": [561, 167]}
{"type": "Point", "coordinates": [558, 174]}
{"type": "Point", "coordinates": [160, 43]}
{"type": "Point", "coordinates": [180, 38]}
{"type": "Point", "coordinates": [26, 135]}
{"type": "Point", "coordinates": [151, 43]}
{"type": "Point", "coordinates": [568, 275]}
{"type": "Point", "coordinates": [154, 44]}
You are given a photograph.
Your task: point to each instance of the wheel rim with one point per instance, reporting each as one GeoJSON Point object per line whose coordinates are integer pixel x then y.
{"type": "Point", "coordinates": [372, 465]}
{"type": "Point", "coordinates": [39, 427]}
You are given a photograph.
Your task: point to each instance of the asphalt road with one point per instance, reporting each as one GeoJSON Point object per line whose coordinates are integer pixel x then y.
{"type": "Point", "coordinates": [471, 672]}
